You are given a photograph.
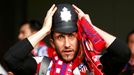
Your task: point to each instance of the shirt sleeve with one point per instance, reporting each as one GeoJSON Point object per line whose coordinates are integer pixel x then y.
{"type": "Point", "coordinates": [19, 60]}
{"type": "Point", "coordinates": [115, 58]}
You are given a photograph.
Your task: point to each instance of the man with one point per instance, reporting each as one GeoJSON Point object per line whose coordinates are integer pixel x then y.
{"type": "Point", "coordinates": [31, 27]}
{"type": "Point", "coordinates": [28, 28]}
{"type": "Point", "coordinates": [130, 41]}
{"type": "Point", "coordinates": [129, 68]}
{"type": "Point", "coordinates": [70, 56]}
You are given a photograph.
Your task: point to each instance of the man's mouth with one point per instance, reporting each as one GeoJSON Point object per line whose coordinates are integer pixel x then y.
{"type": "Point", "coordinates": [67, 52]}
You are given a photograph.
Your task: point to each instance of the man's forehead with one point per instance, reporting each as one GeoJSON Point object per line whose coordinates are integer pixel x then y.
{"type": "Point", "coordinates": [64, 33]}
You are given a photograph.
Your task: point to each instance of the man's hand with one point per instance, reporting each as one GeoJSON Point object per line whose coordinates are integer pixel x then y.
{"type": "Point", "coordinates": [37, 37]}
{"type": "Point", "coordinates": [82, 14]}
{"type": "Point", "coordinates": [48, 19]}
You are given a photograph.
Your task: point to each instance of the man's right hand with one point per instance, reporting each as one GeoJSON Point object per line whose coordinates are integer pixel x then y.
{"type": "Point", "coordinates": [48, 19]}
{"type": "Point", "coordinates": [37, 37]}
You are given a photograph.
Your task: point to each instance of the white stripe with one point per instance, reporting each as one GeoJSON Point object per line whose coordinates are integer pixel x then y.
{"type": "Point", "coordinates": [38, 59]}
{"type": "Point", "coordinates": [48, 71]}
{"type": "Point", "coordinates": [76, 71]}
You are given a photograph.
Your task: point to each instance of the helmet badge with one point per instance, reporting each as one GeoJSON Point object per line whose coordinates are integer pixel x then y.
{"type": "Point", "coordinates": [65, 15]}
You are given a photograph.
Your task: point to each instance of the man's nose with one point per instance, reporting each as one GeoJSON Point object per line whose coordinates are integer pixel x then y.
{"type": "Point", "coordinates": [67, 43]}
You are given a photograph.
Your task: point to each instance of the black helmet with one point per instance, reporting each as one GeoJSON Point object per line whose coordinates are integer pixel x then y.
{"type": "Point", "coordinates": [65, 19]}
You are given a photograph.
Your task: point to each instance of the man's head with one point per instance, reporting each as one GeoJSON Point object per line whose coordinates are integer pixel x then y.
{"type": "Point", "coordinates": [64, 32]}
{"type": "Point", "coordinates": [130, 41]}
{"type": "Point", "coordinates": [28, 28]}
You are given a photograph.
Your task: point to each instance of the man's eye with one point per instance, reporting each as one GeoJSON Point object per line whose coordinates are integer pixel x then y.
{"type": "Point", "coordinates": [71, 35]}
{"type": "Point", "coordinates": [60, 37]}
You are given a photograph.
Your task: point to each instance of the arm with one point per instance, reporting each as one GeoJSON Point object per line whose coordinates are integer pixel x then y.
{"type": "Point", "coordinates": [108, 37]}
{"type": "Point", "coordinates": [116, 57]}
{"type": "Point", "coordinates": [118, 53]}
{"type": "Point", "coordinates": [18, 59]}
{"type": "Point", "coordinates": [35, 38]}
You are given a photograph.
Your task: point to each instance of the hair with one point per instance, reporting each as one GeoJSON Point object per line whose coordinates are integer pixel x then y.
{"type": "Point", "coordinates": [129, 34]}
{"type": "Point", "coordinates": [34, 25]}
{"type": "Point", "coordinates": [51, 34]}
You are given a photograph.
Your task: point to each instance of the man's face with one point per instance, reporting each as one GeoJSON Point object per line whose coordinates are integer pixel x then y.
{"type": "Point", "coordinates": [131, 43]}
{"type": "Point", "coordinates": [25, 31]}
{"type": "Point", "coordinates": [66, 45]}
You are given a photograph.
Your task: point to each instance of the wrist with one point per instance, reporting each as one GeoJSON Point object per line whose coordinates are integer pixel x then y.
{"type": "Point", "coordinates": [44, 31]}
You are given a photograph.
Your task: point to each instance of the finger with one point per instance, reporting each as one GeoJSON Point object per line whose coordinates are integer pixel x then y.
{"type": "Point", "coordinates": [77, 9]}
{"type": "Point", "coordinates": [52, 7]}
{"type": "Point", "coordinates": [52, 13]}
{"type": "Point", "coordinates": [50, 10]}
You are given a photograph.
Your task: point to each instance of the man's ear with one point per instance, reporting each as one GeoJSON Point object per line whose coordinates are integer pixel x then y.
{"type": "Point", "coordinates": [52, 43]}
